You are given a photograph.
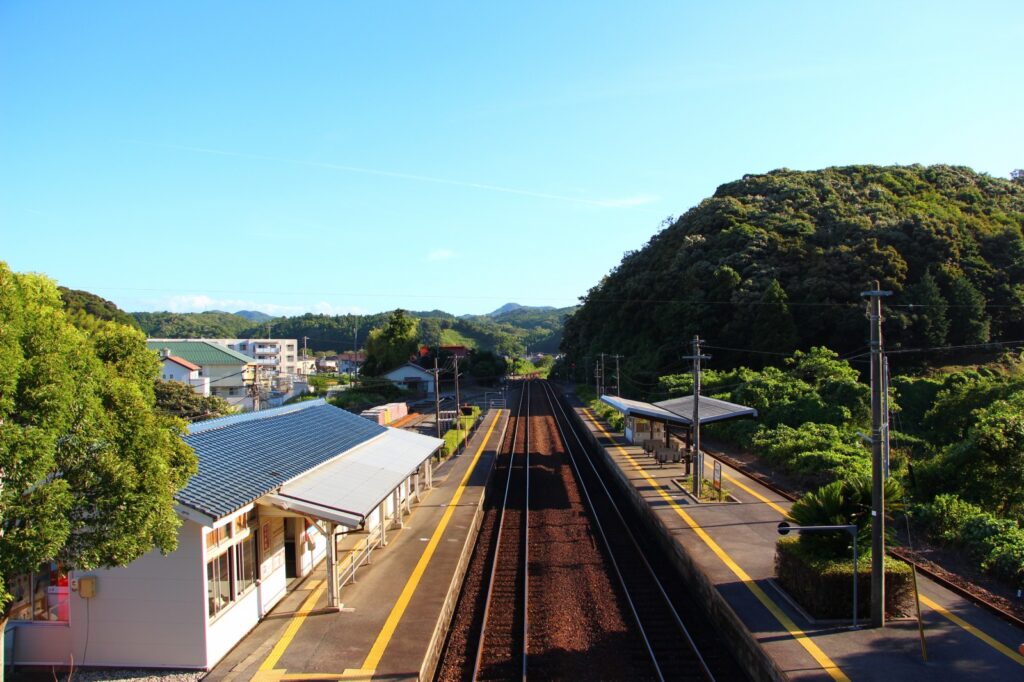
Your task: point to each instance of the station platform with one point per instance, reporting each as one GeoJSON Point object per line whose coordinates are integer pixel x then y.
{"type": "Point", "coordinates": [394, 616]}
{"type": "Point", "coordinates": [729, 550]}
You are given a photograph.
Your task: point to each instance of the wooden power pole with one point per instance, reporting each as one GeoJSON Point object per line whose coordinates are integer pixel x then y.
{"type": "Point", "coordinates": [874, 297]}
{"type": "Point", "coordinates": [437, 398]}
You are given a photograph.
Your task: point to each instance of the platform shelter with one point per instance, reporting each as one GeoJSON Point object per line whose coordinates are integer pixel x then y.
{"type": "Point", "coordinates": [655, 421]}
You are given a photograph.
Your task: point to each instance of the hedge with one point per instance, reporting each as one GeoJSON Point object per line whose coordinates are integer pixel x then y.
{"type": "Point", "coordinates": [823, 587]}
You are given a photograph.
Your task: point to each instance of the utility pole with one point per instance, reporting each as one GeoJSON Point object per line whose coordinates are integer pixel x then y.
{"type": "Point", "coordinates": [874, 297]}
{"type": "Point", "coordinates": [597, 378]}
{"type": "Point", "coordinates": [602, 388]}
{"type": "Point", "coordinates": [458, 403]}
{"type": "Point", "coordinates": [618, 385]}
{"type": "Point", "coordinates": [698, 456]}
{"type": "Point", "coordinates": [437, 398]}
{"type": "Point", "coordinates": [305, 353]}
{"type": "Point", "coordinates": [254, 390]}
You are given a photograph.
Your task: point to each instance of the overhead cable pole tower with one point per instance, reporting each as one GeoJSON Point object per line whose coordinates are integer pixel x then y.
{"type": "Point", "coordinates": [458, 403]}
{"type": "Point", "coordinates": [698, 456]}
{"type": "Point", "coordinates": [874, 297]}
{"type": "Point", "coordinates": [437, 398]}
{"type": "Point", "coordinates": [602, 389]}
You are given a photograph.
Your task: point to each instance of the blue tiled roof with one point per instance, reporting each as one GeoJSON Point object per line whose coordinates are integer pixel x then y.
{"type": "Point", "coordinates": [243, 457]}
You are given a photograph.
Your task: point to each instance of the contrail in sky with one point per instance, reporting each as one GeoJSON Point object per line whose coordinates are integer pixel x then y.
{"type": "Point", "coordinates": [629, 202]}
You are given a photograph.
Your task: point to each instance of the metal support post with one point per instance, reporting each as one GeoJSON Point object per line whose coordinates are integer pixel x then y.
{"type": "Point", "coordinates": [332, 566]}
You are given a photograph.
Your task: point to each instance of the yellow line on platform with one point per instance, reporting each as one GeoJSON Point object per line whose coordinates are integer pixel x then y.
{"type": "Point", "coordinates": [388, 631]}
{"type": "Point", "coordinates": [756, 494]}
{"type": "Point", "coordinates": [988, 639]}
{"type": "Point", "coordinates": [297, 620]}
{"type": "Point", "coordinates": [806, 642]}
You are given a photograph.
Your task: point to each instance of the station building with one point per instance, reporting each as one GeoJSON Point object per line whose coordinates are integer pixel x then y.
{"type": "Point", "coordinates": [277, 492]}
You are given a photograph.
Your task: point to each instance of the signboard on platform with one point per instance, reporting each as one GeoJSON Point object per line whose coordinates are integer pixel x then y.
{"type": "Point", "coordinates": [716, 480]}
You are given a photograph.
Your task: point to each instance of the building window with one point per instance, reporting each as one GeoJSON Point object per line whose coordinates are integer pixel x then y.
{"type": "Point", "coordinates": [42, 595]}
{"type": "Point", "coordinates": [290, 358]}
{"type": "Point", "coordinates": [234, 569]}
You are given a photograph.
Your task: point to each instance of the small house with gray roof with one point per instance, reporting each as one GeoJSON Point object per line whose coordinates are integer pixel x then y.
{"type": "Point", "coordinates": [276, 493]}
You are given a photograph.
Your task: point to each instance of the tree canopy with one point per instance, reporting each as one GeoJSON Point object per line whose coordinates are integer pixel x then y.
{"type": "Point", "coordinates": [89, 469]}
{"type": "Point", "coordinates": [777, 262]}
{"type": "Point", "coordinates": [392, 345]}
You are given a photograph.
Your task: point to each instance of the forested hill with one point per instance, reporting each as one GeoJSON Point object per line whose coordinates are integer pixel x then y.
{"type": "Point", "coordinates": [777, 262]}
{"type": "Point", "coordinates": [510, 333]}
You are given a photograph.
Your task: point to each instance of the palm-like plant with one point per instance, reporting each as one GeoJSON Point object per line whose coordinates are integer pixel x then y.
{"type": "Point", "coordinates": [842, 503]}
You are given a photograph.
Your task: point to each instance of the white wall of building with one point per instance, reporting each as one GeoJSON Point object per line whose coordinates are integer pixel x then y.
{"type": "Point", "coordinates": [149, 613]}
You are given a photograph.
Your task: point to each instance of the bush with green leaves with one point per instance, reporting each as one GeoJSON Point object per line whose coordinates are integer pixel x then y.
{"type": "Point", "coordinates": [817, 450]}
{"type": "Point", "coordinates": [996, 544]}
{"type": "Point", "coordinates": [841, 503]}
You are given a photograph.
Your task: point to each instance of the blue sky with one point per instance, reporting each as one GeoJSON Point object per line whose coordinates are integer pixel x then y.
{"type": "Point", "coordinates": [335, 157]}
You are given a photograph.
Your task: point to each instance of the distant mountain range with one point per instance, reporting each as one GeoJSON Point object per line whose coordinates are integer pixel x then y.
{"type": "Point", "coordinates": [511, 307]}
{"type": "Point", "coordinates": [254, 315]}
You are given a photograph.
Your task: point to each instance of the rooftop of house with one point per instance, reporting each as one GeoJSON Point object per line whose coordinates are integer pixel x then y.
{"type": "Point", "coordinates": [246, 456]}
{"type": "Point", "coordinates": [183, 362]}
{"type": "Point", "coordinates": [201, 353]}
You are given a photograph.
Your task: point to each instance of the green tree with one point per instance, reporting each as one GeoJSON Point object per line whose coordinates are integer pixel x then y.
{"type": "Point", "coordinates": [989, 463]}
{"type": "Point", "coordinates": [430, 332]}
{"type": "Point", "coordinates": [773, 326]}
{"type": "Point", "coordinates": [969, 322]}
{"type": "Point", "coordinates": [176, 399]}
{"type": "Point", "coordinates": [89, 469]}
{"type": "Point", "coordinates": [930, 320]}
{"type": "Point", "coordinates": [390, 346]}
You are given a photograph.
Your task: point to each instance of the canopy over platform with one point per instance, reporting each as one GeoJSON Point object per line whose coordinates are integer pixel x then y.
{"type": "Point", "coordinates": [679, 411]}
{"type": "Point", "coordinates": [346, 490]}
{"type": "Point", "coordinates": [638, 408]}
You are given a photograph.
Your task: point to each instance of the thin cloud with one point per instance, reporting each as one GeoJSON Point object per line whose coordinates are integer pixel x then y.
{"type": "Point", "coordinates": [440, 254]}
{"type": "Point", "coordinates": [196, 303]}
{"type": "Point", "coordinates": [629, 202]}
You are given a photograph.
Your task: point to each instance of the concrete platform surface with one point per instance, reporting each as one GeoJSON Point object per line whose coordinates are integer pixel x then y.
{"type": "Point", "coordinates": [393, 616]}
{"type": "Point", "coordinates": [734, 546]}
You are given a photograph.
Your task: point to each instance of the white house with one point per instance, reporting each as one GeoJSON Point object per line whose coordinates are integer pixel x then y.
{"type": "Point", "coordinates": [230, 373]}
{"type": "Point", "coordinates": [413, 378]}
{"type": "Point", "coordinates": [276, 490]}
{"type": "Point", "coordinates": [184, 372]}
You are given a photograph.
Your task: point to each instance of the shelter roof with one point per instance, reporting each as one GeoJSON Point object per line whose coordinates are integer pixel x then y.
{"type": "Point", "coordinates": [348, 488]}
{"type": "Point", "coordinates": [709, 409]}
{"type": "Point", "coordinates": [243, 457]}
{"type": "Point", "coordinates": [680, 410]}
{"type": "Point", "coordinates": [638, 408]}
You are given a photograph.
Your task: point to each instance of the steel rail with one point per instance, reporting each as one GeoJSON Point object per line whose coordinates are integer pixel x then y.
{"type": "Point", "coordinates": [526, 540]}
{"type": "Point", "coordinates": [553, 401]}
{"type": "Point", "coordinates": [518, 420]}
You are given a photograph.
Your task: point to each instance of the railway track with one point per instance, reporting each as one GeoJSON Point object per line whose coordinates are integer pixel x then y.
{"type": "Point", "coordinates": [560, 586]}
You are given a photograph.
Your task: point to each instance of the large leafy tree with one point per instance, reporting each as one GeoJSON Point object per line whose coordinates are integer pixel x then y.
{"type": "Point", "coordinates": [89, 470]}
{"type": "Point", "coordinates": [179, 400]}
{"type": "Point", "coordinates": [393, 344]}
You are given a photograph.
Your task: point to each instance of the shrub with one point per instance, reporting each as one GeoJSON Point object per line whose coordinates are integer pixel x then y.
{"type": "Point", "coordinates": [946, 516]}
{"type": "Point", "coordinates": [824, 586]}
